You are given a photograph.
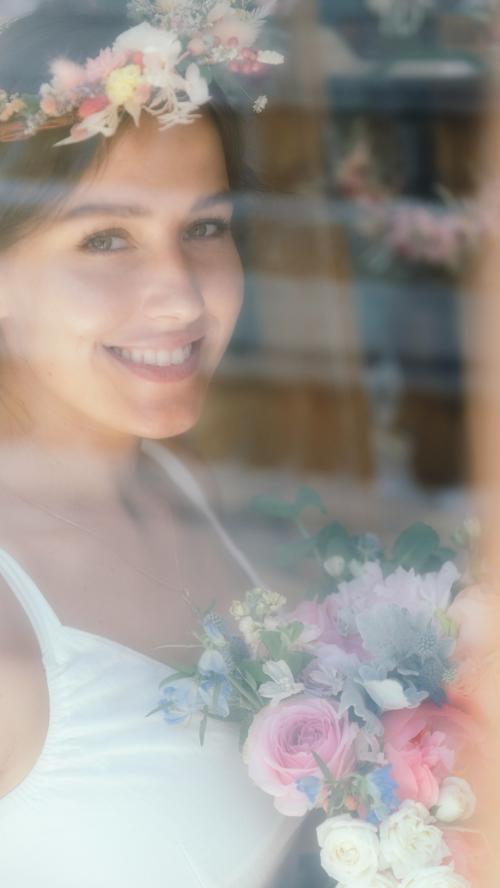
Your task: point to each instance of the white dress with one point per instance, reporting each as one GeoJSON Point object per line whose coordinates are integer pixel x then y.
{"type": "Point", "coordinates": [118, 800]}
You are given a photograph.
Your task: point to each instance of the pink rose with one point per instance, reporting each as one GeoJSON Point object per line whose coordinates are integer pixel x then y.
{"type": "Point", "coordinates": [280, 745]}
{"type": "Point", "coordinates": [422, 745]}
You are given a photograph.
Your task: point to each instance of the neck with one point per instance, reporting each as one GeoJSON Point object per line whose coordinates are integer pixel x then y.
{"type": "Point", "coordinates": [67, 460]}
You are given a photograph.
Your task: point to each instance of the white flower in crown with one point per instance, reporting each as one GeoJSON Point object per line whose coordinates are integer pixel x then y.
{"type": "Point", "coordinates": [146, 39]}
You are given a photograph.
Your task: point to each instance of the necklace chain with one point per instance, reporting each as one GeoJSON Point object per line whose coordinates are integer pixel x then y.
{"type": "Point", "coordinates": [181, 589]}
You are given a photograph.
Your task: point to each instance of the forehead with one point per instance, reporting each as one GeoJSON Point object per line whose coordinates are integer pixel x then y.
{"type": "Point", "coordinates": [144, 163]}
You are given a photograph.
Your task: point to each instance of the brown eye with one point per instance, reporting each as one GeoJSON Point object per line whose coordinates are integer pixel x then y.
{"type": "Point", "coordinates": [106, 242]}
{"type": "Point", "coordinates": [208, 229]}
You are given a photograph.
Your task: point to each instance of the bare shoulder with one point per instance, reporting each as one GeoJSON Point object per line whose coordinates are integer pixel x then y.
{"type": "Point", "coordinates": [23, 691]}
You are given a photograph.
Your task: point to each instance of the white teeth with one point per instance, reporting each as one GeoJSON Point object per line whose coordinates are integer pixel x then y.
{"type": "Point", "coordinates": [155, 358]}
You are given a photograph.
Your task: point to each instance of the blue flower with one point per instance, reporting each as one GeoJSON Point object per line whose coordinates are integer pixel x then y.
{"type": "Point", "coordinates": [382, 790]}
{"type": "Point", "coordinates": [215, 628]}
{"type": "Point", "coordinates": [212, 663]}
{"type": "Point", "coordinates": [310, 786]}
{"type": "Point", "coordinates": [180, 700]}
{"type": "Point", "coordinates": [215, 692]}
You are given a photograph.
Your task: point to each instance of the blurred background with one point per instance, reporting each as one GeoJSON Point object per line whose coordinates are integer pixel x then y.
{"type": "Point", "coordinates": [352, 365]}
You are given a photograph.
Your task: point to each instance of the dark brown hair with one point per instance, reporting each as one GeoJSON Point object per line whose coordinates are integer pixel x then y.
{"type": "Point", "coordinates": [34, 176]}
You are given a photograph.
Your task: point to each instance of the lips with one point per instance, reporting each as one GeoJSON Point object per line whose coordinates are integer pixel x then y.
{"type": "Point", "coordinates": [163, 342]}
{"type": "Point", "coordinates": [170, 372]}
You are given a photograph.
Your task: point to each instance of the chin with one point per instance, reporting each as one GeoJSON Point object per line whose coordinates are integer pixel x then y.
{"type": "Point", "coordinates": [169, 425]}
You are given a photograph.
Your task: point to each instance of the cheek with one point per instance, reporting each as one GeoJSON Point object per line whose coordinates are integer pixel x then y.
{"type": "Point", "coordinates": [92, 302]}
{"type": "Point", "coordinates": [224, 297]}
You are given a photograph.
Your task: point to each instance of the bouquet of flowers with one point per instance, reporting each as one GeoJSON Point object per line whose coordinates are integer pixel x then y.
{"type": "Point", "coordinates": [360, 701]}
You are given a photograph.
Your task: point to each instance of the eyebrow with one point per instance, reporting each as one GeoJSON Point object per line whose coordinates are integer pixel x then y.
{"type": "Point", "coordinates": [127, 210]}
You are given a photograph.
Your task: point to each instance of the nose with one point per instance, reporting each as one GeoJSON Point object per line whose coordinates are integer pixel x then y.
{"type": "Point", "coordinates": [170, 290]}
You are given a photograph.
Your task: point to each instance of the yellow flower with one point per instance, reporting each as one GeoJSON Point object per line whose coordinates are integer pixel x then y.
{"type": "Point", "coordinates": [122, 84]}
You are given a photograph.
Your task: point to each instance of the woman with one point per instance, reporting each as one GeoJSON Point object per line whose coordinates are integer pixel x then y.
{"type": "Point", "coordinates": [121, 284]}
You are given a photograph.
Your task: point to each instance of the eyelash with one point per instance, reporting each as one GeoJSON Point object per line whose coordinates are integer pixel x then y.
{"type": "Point", "coordinates": [223, 227]}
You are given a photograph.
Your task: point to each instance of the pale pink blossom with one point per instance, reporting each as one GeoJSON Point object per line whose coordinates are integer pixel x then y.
{"type": "Point", "coordinates": [422, 746]}
{"type": "Point", "coordinates": [67, 75]}
{"type": "Point", "coordinates": [100, 68]}
{"type": "Point", "coordinates": [232, 27]}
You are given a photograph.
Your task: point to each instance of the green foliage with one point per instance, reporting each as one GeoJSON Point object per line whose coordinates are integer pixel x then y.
{"type": "Point", "coordinates": [252, 672]}
{"type": "Point", "coordinates": [334, 539]}
{"type": "Point", "coordinates": [297, 661]}
{"type": "Point", "coordinates": [419, 547]}
{"type": "Point", "coordinates": [275, 644]}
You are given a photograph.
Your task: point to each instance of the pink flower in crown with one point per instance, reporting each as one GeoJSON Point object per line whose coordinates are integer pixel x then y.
{"type": "Point", "coordinates": [67, 76]}
{"type": "Point", "coordinates": [422, 746]}
{"type": "Point", "coordinates": [280, 745]}
{"type": "Point", "coordinates": [100, 68]}
{"type": "Point", "coordinates": [232, 30]}
{"type": "Point", "coordinates": [92, 106]}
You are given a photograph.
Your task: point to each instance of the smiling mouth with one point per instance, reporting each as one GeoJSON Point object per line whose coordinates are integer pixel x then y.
{"type": "Point", "coordinates": [154, 357]}
{"type": "Point", "coordinates": [158, 365]}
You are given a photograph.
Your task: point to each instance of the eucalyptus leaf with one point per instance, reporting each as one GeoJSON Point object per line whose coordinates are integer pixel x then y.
{"type": "Point", "coordinates": [307, 498]}
{"type": "Point", "coordinates": [415, 545]}
{"type": "Point", "coordinates": [334, 539]}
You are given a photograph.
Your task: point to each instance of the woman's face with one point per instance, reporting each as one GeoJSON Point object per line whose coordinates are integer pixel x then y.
{"type": "Point", "coordinates": [119, 308]}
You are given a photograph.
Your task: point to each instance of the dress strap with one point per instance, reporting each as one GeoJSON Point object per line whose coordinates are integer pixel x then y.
{"type": "Point", "coordinates": [180, 475]}
{"type": "Point", "coordinates": [42, 617]}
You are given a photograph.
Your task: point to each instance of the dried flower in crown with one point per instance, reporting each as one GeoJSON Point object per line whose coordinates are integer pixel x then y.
{"type": "Point", "coordinates": [163, 65]}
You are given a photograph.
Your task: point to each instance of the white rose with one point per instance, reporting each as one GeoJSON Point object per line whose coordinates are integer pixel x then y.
{"type": "Point", "coordinates": [349, 850]}
{"type": "Point", "coordinates": [456, 800]}
{"type": "Point", "coordinates": [381, 880]}
{"type": "Point", "coordinates": [436, 877]}
{"type": "Point", "coordinates": [145, 38]}
{"type": "Point", "coordinates": [409, 841]}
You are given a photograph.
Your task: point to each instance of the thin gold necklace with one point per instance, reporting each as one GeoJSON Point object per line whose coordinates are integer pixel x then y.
{"type": "Point", "coordinates": [180, 590]}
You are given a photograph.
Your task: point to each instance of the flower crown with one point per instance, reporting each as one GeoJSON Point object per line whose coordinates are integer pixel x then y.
{"type": "Point", "coordinates": [163, 65]}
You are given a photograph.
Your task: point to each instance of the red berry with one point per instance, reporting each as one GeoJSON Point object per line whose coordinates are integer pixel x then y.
{"type": "Point", "coordinates": [256, 66]}
{"type": "Point", "coordinates": [247, 67]}
{"type": "Point", "coordinates": [234, 66]}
